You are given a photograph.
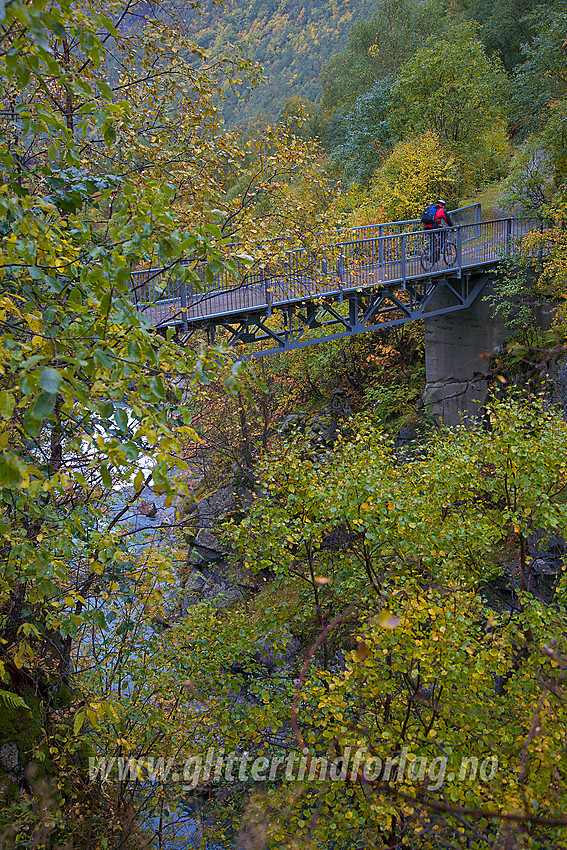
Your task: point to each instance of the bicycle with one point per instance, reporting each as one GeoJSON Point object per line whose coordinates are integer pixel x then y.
{"type": "Point", "coordinates": [432, 251]}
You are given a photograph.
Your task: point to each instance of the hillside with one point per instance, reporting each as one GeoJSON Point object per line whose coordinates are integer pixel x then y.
{"type": "Point", "coordinates": [291, 39]}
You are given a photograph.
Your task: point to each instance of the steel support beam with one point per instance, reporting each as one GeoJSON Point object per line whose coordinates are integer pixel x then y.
{"type": "Point", "coordinates": [370, 311]}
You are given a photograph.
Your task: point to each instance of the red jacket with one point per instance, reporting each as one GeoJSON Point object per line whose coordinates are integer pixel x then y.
{"type": "Point", "coordinates": [440, 216]}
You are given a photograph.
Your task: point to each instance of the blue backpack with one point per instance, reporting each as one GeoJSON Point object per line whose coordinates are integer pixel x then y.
{"type": "Point", "coordinates": [428, 214]}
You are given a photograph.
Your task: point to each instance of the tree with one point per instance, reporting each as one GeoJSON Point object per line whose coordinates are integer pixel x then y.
{"type": "Point", "coordinates": [449, 713]}
{"type": "Point", "coordinates": [417, 171]}
{"type": "Point", "coordinates": [451, 88]}
{"type": "Point", "coordinates": [541, 79]}
{"type": "Point", "coordinates": [504, 26]}
{"type": "Point", "coordinates": [530, 184]}
{"type": "Point", "coordinates": [359, 137]}
{"type": "Point", "coordinates": [377, 49]}
{"type": "Point", "coordinates": [299, 116]}
{"type": "Point", "coordinates": [87, 391]}
{"type": "Point", "coordinates": [549, 244]}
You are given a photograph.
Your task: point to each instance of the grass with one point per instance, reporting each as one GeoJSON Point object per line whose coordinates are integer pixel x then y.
{"type": "Point", "coordinates": [489, 197]}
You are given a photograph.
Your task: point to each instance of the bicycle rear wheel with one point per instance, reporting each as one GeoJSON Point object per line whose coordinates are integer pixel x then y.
{"type": "Point", "coordinates": [450, 253]}
{"type": "Point", "coordinates": [426, 257]}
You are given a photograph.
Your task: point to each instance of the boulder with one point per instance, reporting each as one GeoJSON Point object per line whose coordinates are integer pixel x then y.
{"type": "Point", "coordinates": [546, 567]}
{"type": "Point", "coordinates": [340, 408]}
{"type": "Point", "coordinates": [208, 546]}
{"type": "Point", "coordinates": [292, 422]}
{"type": "Point", "coordinates": [195, 582]}
{"type": "Point", "coordinates": [219, 503]}
{"type": "Point", "coordinates": [545, 544]}
{"type": "Point", "coordinates": [213, 586]}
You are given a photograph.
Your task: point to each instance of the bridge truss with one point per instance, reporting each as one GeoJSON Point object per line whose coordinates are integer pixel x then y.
{"type": "Point", "coordinates": [350, 313]}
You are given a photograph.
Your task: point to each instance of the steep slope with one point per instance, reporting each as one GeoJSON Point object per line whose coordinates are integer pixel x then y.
{"type": "Point", "coordinates": [290, 38]}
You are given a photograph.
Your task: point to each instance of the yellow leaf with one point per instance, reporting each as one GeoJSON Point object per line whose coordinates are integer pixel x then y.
{"type": "Point", "coordinates": [362, 652]}
{"type": "Point", "coordinates": [93, 717]}
{"type": "Point", "coordinates": [388, 621]}
{"type": "Point", "coordinates": [79, 720]}
{"type": "Point", "coordinates": [34, 322]}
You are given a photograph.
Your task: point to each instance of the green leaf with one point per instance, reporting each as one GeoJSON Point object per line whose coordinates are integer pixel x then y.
{"type": "Point", "coordinates": [105, 475]}
{"type": "Point", "coordinates": [43, 406]}
{"type": "Point", "coordinates": [102, 359]}
{"type": "Point", "coordinates": [12, 700]}
{"type": "Point", "coordinates": [50, 380]}
{"type": "Point", "coordinates": [134, 352]}
{"type": "Point", "coordinates": [31, 426]}
{"type": "Point", "coordinates": [121, 419]}
{"type": "Point", "coordinates": [7, 404]}
{"type": "Point", "coordinates": [99, 619]}
{"type": "Point", "coordinates": [78, 722]}
{"type": "Point", "coordinates": [106, 409]}
{"type": "Point", "coordinates": [156, 385]}
{"type": "Point", "coordinates": [12, 471]}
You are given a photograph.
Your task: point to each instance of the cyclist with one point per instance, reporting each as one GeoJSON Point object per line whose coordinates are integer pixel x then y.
{"type": "Point", "coordinates": [437, 215]}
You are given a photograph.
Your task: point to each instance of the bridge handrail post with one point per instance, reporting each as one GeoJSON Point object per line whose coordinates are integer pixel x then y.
{"type": "Point", "coordinates": [265, 280]}
{"type": "Point", "coordinates": [460, 248]}
{"type": "Point", "coordinates": [340, 268]}
{"type": "Point", "coordinates": [381, 246]}
{"type": "Point", "coordinates": [183, 294]}
{"type": "Point", "coordinates": [404, 259]}
{"type": "Point", "coordinates": [508, 236]}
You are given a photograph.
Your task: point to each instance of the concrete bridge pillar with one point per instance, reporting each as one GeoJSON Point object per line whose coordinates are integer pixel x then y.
{"type": "Point", "coordinates": [457, 356]}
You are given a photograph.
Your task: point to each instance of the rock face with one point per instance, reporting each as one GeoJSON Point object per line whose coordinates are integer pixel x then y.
{"type": "Point", "coordinates": [206, 548]}
{"type": "Point", "coordinates": [210, 577]}
{"type": "Point", "coordinates": [211, 584]}
{"type": "Point", "coordinates": [547, 552]}
{"type": "Point", "coordinates": [275, 655]}
{"type": "Point", "coordinates": [558, 374]}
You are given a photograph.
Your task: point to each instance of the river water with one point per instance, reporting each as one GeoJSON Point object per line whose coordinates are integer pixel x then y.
{"type": "Point", "coordinates": [182, 822]}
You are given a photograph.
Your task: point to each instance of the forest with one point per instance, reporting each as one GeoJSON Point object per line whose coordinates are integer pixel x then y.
{"type": "Point", "coordinates": [291, 40]}
{"type": "Point", "coordinates": [273, 602]}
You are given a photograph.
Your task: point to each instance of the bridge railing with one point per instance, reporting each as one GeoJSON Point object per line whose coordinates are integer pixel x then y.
{"type": "Point", "coordinates": [371, 261]}
{"type": "Point", "coordinates": [152, 285]}
{"type": "Point", "coordinates": [470, 214]}
{"type": "Point", "coordinates": [349, 265]}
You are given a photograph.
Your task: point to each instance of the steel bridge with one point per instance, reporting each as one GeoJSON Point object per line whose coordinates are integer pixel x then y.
{"type": "Point", "coordinates": [372, 280]}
